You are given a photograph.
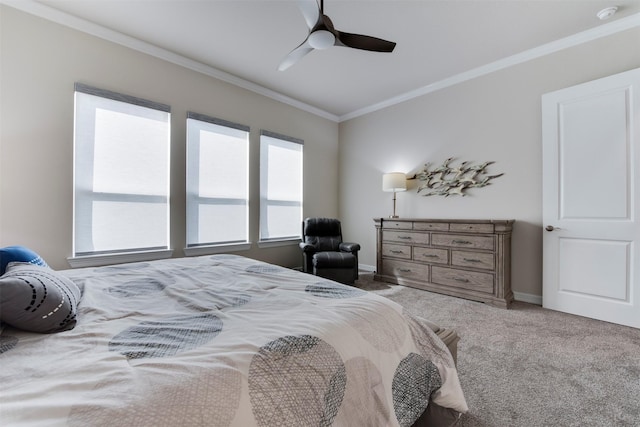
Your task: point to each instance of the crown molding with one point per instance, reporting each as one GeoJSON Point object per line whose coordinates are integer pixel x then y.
{"type": "Point", "coordinates": [604, 30]}
{"type": "Point", "coordinates": [62, 18]}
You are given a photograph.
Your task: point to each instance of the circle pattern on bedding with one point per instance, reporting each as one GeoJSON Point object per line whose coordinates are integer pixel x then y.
{"type": "Point", "coordinates": [428, 344]}
{"type": "Point", "coordinates": [328, 289]}
{"type": "Point", "coordinates": [414, 380]}
{"type": "Point", "coordinates": [365, 396]}
{"type": "Point", "coordinates": [222, 257]}
{"type": "Point", "coordinates": [297, 396]}
{"type": "Point", "coordinates": [7, 343]}
{"type": "Point", "coordinates": [208, 299]}
{"type": "Point", "coordinates": [167, 337]}
{"type": "Point", "coordinates": [383, 328]}
{"type": "Point", "coordinates": [135, 288]}
{"type": "Point", "coordinates": [266, 269]}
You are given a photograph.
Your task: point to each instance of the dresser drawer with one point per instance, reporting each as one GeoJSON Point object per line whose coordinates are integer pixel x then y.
{"type": "Point", "coordinates": [405, 270]}
{"type": "Point", "coordinates": [399, 225]}
{"type": "Point", "coordinates": [471, 280]}
{"type": "Point", "coordinates": [405, 237]}
{"type": "Point", "coordinates": [483, 260]}
{"type": "Point", "coordinates": [431, 226]}
{"type": "Point", "coordinates": [463, 241]}
{"type": "Point", "coordinates": [471, 228]}
{"type": "Point", "coordinates": [397, 251]}
{"type": "Point", "coordinates": [431, 255]}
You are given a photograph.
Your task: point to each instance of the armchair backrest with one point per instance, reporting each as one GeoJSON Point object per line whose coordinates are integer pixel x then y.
{"type": "Point", "coordinates": [325, 234]}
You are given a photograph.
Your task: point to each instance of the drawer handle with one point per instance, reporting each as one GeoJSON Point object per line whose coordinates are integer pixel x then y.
{"type": "Point", "coordinates": [462, 242]}
{"type": "Point", "coordinates": [404, 270]}
{"type": "Point", "coordinates": [404, 237]}
{"type": "Point", "coordinates": [458, 279]}
{"type": "Point", "coordinates": [430, 256]}
{"type": "Point", "coordinates": [396, 252]}
{"type": "Point", "coordinates": [471, 260]}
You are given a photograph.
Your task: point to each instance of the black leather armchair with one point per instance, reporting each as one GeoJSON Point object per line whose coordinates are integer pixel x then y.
{"type": "Point", "coordinates": [325, 254]}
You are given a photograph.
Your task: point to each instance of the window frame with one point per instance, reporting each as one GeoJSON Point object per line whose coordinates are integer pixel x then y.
{"type": "Point", "coordinates": [193, 176]}
{"type": "Point", "coordinates": [265, 202]}
{"type": "Point", "coordinates": [84, 196]}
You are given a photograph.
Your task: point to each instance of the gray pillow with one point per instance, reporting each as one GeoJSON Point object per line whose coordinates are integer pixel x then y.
{"type": "Point", "coordinates": [37, 299]}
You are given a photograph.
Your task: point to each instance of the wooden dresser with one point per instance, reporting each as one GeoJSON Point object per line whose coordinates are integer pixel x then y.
{"type": "Point", "coordinates": [464, 258]}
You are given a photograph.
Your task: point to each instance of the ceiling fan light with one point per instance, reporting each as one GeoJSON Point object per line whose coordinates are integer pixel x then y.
{"type": "Point", "coordinates": [321, 39]}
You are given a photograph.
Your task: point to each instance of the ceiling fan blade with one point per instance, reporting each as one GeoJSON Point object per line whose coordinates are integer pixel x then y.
{"type": "Point", "coordinates": [295, 55]}
{"type": "Point", "coordinates": [358, 41]}
{"type": "Point", "coordinates": [311, 12]}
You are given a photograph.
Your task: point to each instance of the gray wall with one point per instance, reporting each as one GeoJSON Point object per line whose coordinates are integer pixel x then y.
{"type": "Point", "coordinates": [496, 117]}
{"type": "Point", "coordinates": [41, 60]}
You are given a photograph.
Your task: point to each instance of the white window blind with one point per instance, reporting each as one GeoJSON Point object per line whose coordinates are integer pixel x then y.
{"type": "Point", "coordinates": [217, 181]}
{"type": "Point", "coordinates": [280, 187]}
{"type": "Point", "coordinates": [121, 173]}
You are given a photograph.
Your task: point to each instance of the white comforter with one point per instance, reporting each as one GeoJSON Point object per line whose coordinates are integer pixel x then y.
{"type": "Point", "coordinates": [224, 341]}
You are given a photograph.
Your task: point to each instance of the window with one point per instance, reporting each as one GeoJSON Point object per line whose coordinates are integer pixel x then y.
{"type": "Point", "coordinates": [217, 181]}
{"type": "Point", "coordinates": [121, 173]}
{"type": "Point", "coordinates": [280, 187]}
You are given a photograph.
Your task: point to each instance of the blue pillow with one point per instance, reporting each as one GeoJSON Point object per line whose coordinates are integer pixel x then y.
{"type": "Point", "coordinates": [19, 254]}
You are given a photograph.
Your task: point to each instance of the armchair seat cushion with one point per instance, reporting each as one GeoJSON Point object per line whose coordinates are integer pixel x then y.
{"type": "Point", "coordinates": [334, 260]}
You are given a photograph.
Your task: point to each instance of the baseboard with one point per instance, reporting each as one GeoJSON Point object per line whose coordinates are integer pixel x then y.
{"type": "Point", "coordinates": [367, 268]}
{"type": "Point", "coordinates": [530, 298]}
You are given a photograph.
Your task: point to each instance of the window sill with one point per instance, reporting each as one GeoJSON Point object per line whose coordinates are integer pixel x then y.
{"type": "Point", "coordinates": [119, 258]}
{"type": "Point", "coordinates": [216, 249]}
{"type": "Point", "coordinates": [277, 243]}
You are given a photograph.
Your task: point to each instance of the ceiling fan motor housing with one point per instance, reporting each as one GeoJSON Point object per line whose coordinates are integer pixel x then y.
{"type": "Point", "coordinates": [321, 39]}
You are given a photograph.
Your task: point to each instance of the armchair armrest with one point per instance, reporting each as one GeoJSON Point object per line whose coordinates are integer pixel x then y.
{"type": "Point", "coordinates": [349, 247]}
{"type": "Point", "coordinates": [307, 248]}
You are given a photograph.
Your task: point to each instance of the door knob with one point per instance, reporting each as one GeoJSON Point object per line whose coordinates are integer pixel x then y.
{"type": "Point", "coordinates": [551, 228]}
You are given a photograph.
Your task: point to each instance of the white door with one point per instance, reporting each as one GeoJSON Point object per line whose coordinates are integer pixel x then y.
{"type": "Point", "coordinates": [591, 189]}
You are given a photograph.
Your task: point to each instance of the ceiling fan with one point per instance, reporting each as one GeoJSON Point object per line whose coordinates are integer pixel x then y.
{"type": "Point", "coordinates": [323, 35]}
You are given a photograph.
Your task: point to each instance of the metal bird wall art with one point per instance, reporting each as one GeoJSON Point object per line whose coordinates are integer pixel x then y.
{"type": "Point", "coordinates": [447, 180]}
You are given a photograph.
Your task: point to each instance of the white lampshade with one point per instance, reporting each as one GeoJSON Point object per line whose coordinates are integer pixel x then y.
{"type": "Point", "coordinates": [394, 181]}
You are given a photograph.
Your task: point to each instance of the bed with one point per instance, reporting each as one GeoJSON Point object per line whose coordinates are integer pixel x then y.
{"type": "Point", "coordinates": [225, 340]}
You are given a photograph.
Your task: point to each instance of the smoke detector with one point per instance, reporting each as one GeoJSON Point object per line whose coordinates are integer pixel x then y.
{"type": "Point", "coordinates": [607, 13]}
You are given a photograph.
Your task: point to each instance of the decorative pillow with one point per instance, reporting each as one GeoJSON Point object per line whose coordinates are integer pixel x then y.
{"type": "Point", "coordinates": [37, 299]}
{"type": "Point", "coordinates": [19, 254]}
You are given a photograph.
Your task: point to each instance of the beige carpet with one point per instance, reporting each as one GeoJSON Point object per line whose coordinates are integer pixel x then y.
{"type": "Point", "coordinates": [528, 366]}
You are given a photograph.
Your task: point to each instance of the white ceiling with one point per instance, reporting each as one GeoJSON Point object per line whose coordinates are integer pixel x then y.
{"type": "Point", "coordinates": [436, 39]}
